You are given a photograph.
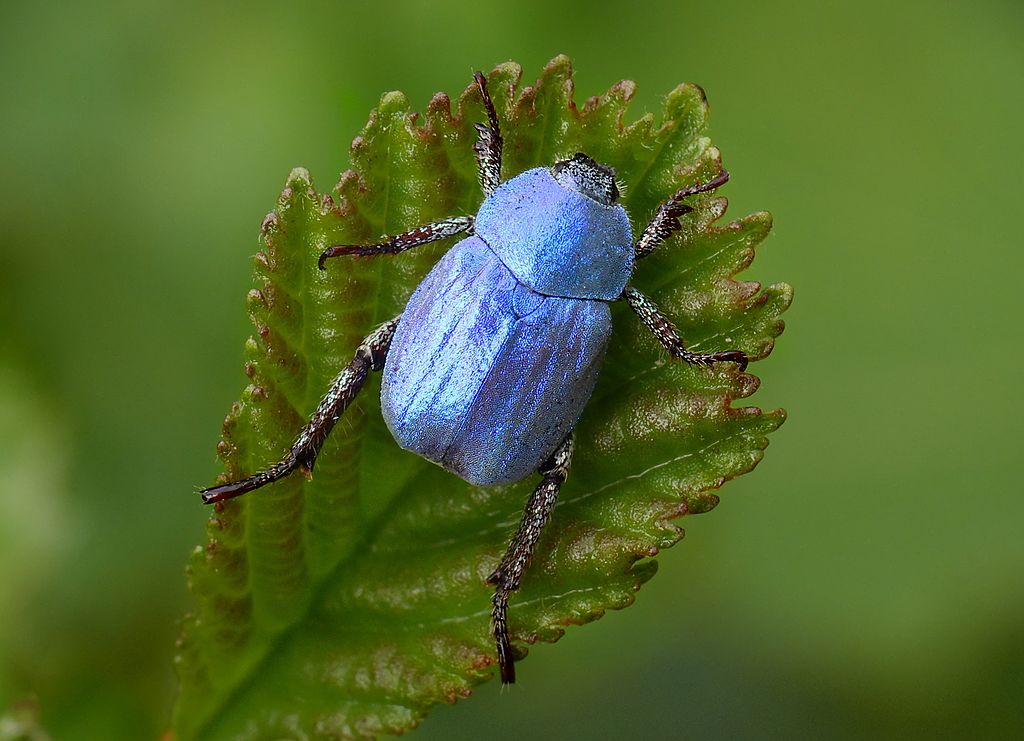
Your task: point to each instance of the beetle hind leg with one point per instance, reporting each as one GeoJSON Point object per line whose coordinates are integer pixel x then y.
{"type": "Point", "coordinates": [517, 557]}
{"type": "Point", "coordinates": [669, 337]}
{"type": "Point", "coordinates": [369, 356]}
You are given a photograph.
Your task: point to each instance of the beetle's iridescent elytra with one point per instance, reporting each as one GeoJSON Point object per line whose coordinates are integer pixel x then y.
{"type": "Point", "coordinates": [497, 352]}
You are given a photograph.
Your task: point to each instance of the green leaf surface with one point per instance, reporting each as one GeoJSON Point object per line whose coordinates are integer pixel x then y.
{"type": "Point", "coordinates": [349, 605]}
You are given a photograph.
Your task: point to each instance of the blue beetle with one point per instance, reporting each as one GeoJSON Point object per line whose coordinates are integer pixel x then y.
{"type": "Point", "coordinates": [498, 350]}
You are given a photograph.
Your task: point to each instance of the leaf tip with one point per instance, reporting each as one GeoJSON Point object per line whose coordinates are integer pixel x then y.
{"type": "Point", "coordinates": [393, 102]}
{"type": "Point", "coordinates": [509, 72]}
{"type": "Point", "coordinates": [558, 73]}
{"type": "Point", "coordinates": [299, 179]}
{"type": "Point", "coordinates": [623, 89]}
{"type": "Point", "coordinates": [439, 105]}
{"type": "Point", "coordinates": [559, 66]}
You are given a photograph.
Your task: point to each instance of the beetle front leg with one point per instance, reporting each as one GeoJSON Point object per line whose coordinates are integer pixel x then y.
{"type": "Point", "coordinates": [402, 242]}
{"type": "Point", "coordinates": [369, 356]}
{"type": "Point", "coordinates": [669, 337]}
{"type": "Point", "coordinates": [520, 551]}
{"type": "Point", "coordinates": [488, 147]}
{"type": "Point", "coordinates": [666, 218]}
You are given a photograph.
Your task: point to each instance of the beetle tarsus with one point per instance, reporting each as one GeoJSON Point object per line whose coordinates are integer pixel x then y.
{"type": "Point", "coordinates": [669, 336]}
{"type": "Point", "coordinates": [401, 242]}
{"type": "Point", "coordinates": [489, 143]}
{"type": "Point", "coordinates": [506, 661]}
{"type": "Point", "coordinates": [233, 489]}
{"type": "Point", "coordinates": [731, 356]}
{"type": "Point", "coordinates": [517, 557]}
{"type": "Point", "coordinates": [706, 360]}
{"type": "Point", "coordinates": [666, 218]}
{"type": "Point", "coordinates": [335, 251]}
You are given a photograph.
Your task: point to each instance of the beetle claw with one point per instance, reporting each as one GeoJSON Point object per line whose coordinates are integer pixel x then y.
{"type": "Point", "coordinates": [733, 356]}
{"type": "Point", "coordinates": [338, 249]}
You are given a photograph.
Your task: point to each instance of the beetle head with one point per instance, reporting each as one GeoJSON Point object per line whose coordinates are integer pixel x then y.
{"type": "Point", "coordinates": [590, 178]}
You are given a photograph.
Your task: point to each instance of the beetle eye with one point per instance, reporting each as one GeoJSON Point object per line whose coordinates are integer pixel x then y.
{"type": "Point", "coordinates": [584, 175]}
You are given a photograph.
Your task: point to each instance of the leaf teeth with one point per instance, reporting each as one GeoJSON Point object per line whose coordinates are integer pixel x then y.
{"type": "Point", "coordinates": [270, 225]}
{"type": "Point", "coordinates": [393, 103]}
{"type": "Point", "coordinates": [299, 180]}
{"type": "Point", "coordinates": [348, 606]}
{"type": "Point", "coordinates": [439, 105]}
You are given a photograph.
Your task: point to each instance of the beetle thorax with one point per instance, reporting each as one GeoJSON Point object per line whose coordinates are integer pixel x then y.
{"type": "Point", "coordinates": [559, 230]}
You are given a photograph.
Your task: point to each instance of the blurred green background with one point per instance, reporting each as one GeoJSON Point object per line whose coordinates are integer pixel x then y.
{"type": "Point", "coordinates": [866, 580]}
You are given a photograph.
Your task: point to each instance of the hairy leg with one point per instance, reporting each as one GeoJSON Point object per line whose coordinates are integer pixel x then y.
{"type": "Point", "coordinates": [488, 148]}
{"type": "Point", "coordinates": [369, 356]}
{"type": "Point", "coordinates": [402, 242]}
{"type": "Point", "coordinates": [666, 219]}
{"type": "Point", "coordinates": [520, 551]}
{"type": "Point", "coordinates": [488, 158]}
{"type": "Point", "coordinates": [669, 337]}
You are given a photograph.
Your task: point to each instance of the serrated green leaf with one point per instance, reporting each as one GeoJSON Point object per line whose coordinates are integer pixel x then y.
{"type": "Point", "coordinates": [349, 605]}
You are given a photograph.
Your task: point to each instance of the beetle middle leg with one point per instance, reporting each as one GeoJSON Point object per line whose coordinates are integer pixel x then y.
{"type": "Point", "coordinates": [520, 551]}
{"type": "Point", "coordinates": [370, 355]}
{"type": "Point", "coordinates": [669, 337]}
